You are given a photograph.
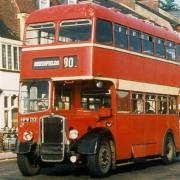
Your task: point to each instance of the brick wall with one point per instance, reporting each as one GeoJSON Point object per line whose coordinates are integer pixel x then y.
{"type": "Point", "coordinates": [8, 14]}
{"type": "Point", "coordinates": [153, 4]}
{"type": "Point", "coordinates": [129, 3]}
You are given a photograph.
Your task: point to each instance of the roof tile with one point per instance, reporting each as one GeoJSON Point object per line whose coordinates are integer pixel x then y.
{"type": "Point", "coordinates": [26, 6]}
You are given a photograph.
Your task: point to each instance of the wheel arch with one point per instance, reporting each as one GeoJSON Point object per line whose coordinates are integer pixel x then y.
{"type": "Point", "coordinates": [89, 143]}
{"type": "Point", "coordinates": [168, 132]}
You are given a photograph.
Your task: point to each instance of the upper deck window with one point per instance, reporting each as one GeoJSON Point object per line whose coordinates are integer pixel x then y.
{"type": "Point", "coordinates": [147, 44]}
{"type": "Point", "coordinates": [178, 52]}
{"type": "Point", "coordinates": [159, 47]}
{"type": "Point", "coordinates": [135, 40]}
{"type": "Point", "coordinates": [170, 51]}
{"type": "Point", "coordinates": [40, 34]}
{"type": "Point", "coordinates": [104, 32]}
{"type": "Point", "coordinates": [120, 36]}
{"type": "Point", "coordinates": [75, 30]}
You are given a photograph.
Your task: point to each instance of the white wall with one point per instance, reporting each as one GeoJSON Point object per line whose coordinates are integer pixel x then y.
{"type": "Point", "coordinates": [9, 84]}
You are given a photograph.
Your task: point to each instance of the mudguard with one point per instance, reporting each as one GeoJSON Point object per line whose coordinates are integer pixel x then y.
{"type": "Point", "coordinates": [23, 148]}
{"type": "Point", "coordinates": [169, 131]}
{"type": "Point", "coordinates": [88, 144]}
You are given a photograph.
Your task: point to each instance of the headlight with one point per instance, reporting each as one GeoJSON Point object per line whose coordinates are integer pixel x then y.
{"type": "Point", "coordinates": [73, 134]}
{"type": "Point", "coordinates": [28, 136]}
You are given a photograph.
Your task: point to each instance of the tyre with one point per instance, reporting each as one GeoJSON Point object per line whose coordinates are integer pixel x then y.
{"type": "Point", "coordinates": [169, 150]}
{"type": "Point", "coordinates": [99, 164]}
{"type": "Point", "coordinates": [27, 165]}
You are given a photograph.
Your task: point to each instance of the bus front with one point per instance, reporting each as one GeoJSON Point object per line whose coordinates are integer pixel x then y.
{"type": "Point", "coordinates": [62, 107]}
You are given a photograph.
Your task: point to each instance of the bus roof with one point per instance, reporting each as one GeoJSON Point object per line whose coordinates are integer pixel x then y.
{"type": "Point", "coordinates": [89, 10]}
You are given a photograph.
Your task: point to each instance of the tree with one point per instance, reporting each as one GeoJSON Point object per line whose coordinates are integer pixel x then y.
{"type": "Point", "coordinates": [169, 5]}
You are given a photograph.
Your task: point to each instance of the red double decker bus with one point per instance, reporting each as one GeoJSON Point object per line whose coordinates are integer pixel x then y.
{"type": "Point", "coordinates": [97, 87]}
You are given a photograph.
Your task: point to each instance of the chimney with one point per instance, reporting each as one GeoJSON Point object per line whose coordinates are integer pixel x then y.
{"type": "Point", "coordinates": [153, 4]}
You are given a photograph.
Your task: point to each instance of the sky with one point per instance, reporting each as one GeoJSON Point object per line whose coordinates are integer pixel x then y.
{"type": "Point", "coordinates": [177, 2]}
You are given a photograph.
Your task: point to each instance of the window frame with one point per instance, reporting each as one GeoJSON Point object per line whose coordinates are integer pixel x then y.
{"type": "Point", "coordinates": [38, 38]}
{"type": "Point", "coordinates": [126, 35]}
{"type": "Point", "coordinates": [140, 99]}
{"type": "Point", "coordinates": [131, 48]}
{"type": "Point", "coordinates": [111, 40]}
{"type": "Point", "coordinates": [152, 42]}
{"type": "Point", "coordinates": [118, 101]}
{"type": "Point", "coordinates": [166, 50]}
{"type": "Point", "coordinates": [71, 21]}
{"type": "Point", "coordinates": [156, 49]}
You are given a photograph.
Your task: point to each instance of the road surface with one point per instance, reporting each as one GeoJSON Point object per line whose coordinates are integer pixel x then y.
{"type": "Point", "coordinates": [142, 171]}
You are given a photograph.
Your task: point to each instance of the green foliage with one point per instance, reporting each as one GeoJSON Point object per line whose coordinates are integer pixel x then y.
{"type": "Point", "coordinates": [168, 5]}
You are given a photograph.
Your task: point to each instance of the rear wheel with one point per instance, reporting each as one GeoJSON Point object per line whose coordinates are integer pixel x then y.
{"type": "Point", "coordinates": [27, 165]}
{"type": "Point", "coordinates": [169, 150]}
{"type": "Point", "coordinates": [99, 164]}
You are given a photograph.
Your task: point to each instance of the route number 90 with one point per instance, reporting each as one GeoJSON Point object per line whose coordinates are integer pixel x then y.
{"type": "Point", "coordinates": [70, 61]}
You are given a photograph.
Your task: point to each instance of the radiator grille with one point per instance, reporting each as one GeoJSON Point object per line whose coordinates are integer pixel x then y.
{"type": "Point", "coordinates": [52, 138]}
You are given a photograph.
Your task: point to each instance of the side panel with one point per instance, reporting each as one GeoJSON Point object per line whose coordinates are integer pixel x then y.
{"type": "Point", "coordinates": [83, 67]}
{"type": "Point", "coordinates": [143, 135]}
{"type": "Point", "coordinates": [133, 67]}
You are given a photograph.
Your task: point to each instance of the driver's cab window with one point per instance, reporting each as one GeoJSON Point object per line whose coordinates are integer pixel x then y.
{"type": "Point", "coordinates": [93, 100]}
{"type": "Point", "coordinates": [62, 98]}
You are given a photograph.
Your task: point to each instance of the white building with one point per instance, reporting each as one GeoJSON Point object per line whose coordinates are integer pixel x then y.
{"type": "Point", "coordinates": [12, 19]}
{"type": "Point", "coordinates": [10, 52]}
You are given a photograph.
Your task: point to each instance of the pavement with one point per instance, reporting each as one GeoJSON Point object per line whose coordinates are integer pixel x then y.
{"type": "Point", "coordinates": [7, 155]}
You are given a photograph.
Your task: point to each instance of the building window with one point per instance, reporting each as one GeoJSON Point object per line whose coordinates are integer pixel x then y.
{"type": "Point", "coordinates": [159, 48]}
{"type": "Point", "coordinates": [5, 101]}
{"type": "Point", "coordinates": [150, 104]}
{"type": "Point", "coordinates": [9, 57]}
{"type": "Point", "coordinates": [15, 58]}
{"type": "Point", "coordinates": [20, 53]}
{"type": "Point", "coordinates": [135, 40]}
{"type": "Point", "coordinates": [13, 100]}
{"type": "Point", "coordinates": [147, 44]}
{"type": "Point", "coordinates": [14, 117]}
{"type": "Point", "coordinates": [4, 64]}
{"type": "Point", "coordinates": [6, 118]}
{"type": "Point", "coordinates": [137, 103]}
{"type": "Point", "coordinates": [104, 32]}
{"type": "Point", "coordinates": [120, 36]}
{"type": "Point", "coordinates": [170, 51]}
{"type": "Point", "coordinates": [123, 101]}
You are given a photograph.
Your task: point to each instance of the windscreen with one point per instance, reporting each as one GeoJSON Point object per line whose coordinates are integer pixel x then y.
{"type": "Point", "coordinates": [75, 30]}
{"type": "Point", "coordinates": [34, 96]}
{"type": "Point", "coordinates": [37, 34]}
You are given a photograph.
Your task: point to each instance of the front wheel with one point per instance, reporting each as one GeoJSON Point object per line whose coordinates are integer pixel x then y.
{"type": "Point", "coordinates": [99, 164]}
{"type": "Point", "coordinates": [169, 150]}
{"type": "Point", "coordinates": [27, 165]}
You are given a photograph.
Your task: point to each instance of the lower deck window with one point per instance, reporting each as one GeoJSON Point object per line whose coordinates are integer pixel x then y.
{"type": "Point", "coordinates": [123, 100]}
{"type": "Point", "coordinates": [95, 99]}
{"type": "Point", "coordinates": [150, 104]}
{"type": "Point", "coordinates": [162, 105]}
{"type": "Point", "coordinates": [172, 104]}
{"type": "Point", "coordinates": [62, 97]}
{"type": "Point", "coordinates": [137, 103]}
